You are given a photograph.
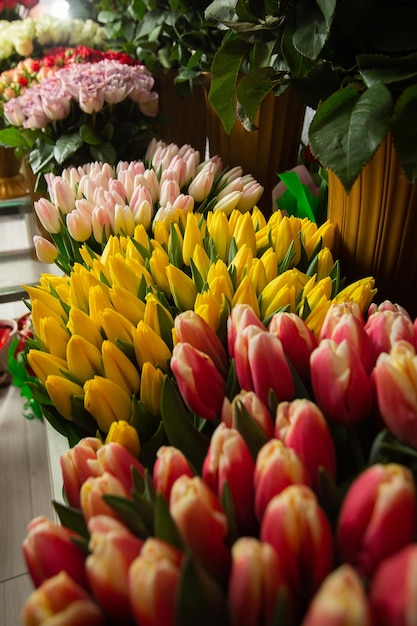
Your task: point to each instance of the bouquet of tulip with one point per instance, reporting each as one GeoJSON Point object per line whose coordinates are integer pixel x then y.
{"type": "Point", "coordinates": [100, 109]}
{"type": "Point", "coordinates": [283, 491]}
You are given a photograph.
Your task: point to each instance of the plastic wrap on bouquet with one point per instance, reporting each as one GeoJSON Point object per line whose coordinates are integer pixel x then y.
{"type": "Point", "coordinates": [376, 227]}
{"type": "Point", "coordinates": [264, 152]}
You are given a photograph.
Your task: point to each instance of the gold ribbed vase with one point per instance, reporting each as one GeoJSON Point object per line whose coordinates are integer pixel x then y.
{"type": "Point", "coordinates": [12, 182]}
{"type": "Point", "coordinates": [376, 227]}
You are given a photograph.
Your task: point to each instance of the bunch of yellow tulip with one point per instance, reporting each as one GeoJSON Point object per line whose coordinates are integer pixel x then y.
{"type": "Point", "coordinates": [103, 335]}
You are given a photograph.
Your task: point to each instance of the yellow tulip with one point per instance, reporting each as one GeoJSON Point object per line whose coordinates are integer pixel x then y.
{"type": "Point", "coordinates": [54, 336]}
{"type": "Point", "coordinates": [116, 326]}
{"type": "Point", "coordinates": [258, 219]}
{"type": "Point", "coordinates": [40, 311]}
{"type": "Point", "coordinates": [257, 275]}
{"type": "Point", "coordinates": [192, 238]}
{"type": "Point", "coordinates": [182, 288]}
{"type": "Point", "coordinates": [140, 271]}
{"type": "Point", "coordinates": [274, 294]}
{"type": "Point", "coordinates": [246, 294]}
{"type": "Point", "coordinates": [124, 221]}
{"type": "Point", "coordinates": [123, 274]}
{"type": "Point", "coordinates": [218, 228]}
{"type": "Point", "coordinates": [87, 256]}
{"type": "Point", "coordinates": [60, 391]}
{"type": "Point", "coordinates": [149, 346]}
{"type": "Point", "coordinates": [98, 301]}
{"type": "Point", "coordinates": [155, 312]}
{"type": "Point", "coordinates": [54, 304]}
{"type": "Point", "coordinates": [270, 263]}
{"type": "Point", "coordinates": [112, 248]}
{"type": "Point", "coordinates": [244, 232]}
{"type": "Point", "coordinates": [84, 358]}
{"type": "Point", "coordinates": [325, 263]}
{"type": "Point", "coordinates": [124, 434]}
{"type": "Point", "coordinates": [45, 364]}
{"type": "Point", "coordinates": [361, 291]}
{"type": "Point", "coordinates": [151, 387]}
{"type": "Point", "coordinates": [311, 238]}
{"type": "Point", "coordinates": [158, 264]}
{"type": "Point", "coordinates": [132, 252]}
{"type": "Point", "coordinates": [79, 323]}
{"type": "Point", "coordinates": [316, 317]}
{"type": "Point", "coordinates": [119, 368]}
{"type": "Point", "coordinates": [81, 282]}
{"type": "Point", "coordinates": [107, 402]}
{"type": "Point", "coordinates": [141, 236]}
{"type": "Point", "coordinates": [221, 287]}
{"type": "Point", "coordinates": [242, 261]}
{"type": "Point", "coordinates": [201, 261]}
{"type": "Point", "coordinates": [208, 306]}
{"type": "Point", "coordinates": [161, 233]}
{"type": "Point", "coordinates": [99, 270]}
{"type": "Point", "coordinates": [127, 304]}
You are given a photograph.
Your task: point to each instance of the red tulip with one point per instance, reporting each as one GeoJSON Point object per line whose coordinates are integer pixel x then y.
{"type": "Point", "coordinates": [153, 582]}
{"type": "Point", "coordinates": [254, 406]}
{"type": "Point", "coordinates": [393, 594]}
{"type": "Point", "coordinates": [340, 601]}
{"type": "Point", "coordinates": [60, 601]}
{"type": "Point", "coordinates": [301, 425]}
{"type": "Point", "coordinates": [296, 526]}
{"type": "Point", "coordinates": [202, 523]}
{"type": "Point", "coordinates": [229, 461]}
{"type": "Point", "coordinates": [118, 461]}
{"type": "Point", "coordinates": [297, 340]}
{"type": "Point", "coordinates": [200, 383]}
{"type": "Point", "coordinates": [242, 315]}
{"type": "Point", "coordinates": [387, 325]}
{"type": "Point", "coordinates": [76, 467]}
{"type": "Point", "coordinates": [378, 516]}
{"type": "Point", "coordinates": [92, 490]}
{"type": "Point", "coordinates": [170, 464]}
{"type": "Point", "coordinates": [49, 549]}
{"type": "Point", "coordinates": [277, 467]}
{"type": "Point", "coordinates": [340, 384]}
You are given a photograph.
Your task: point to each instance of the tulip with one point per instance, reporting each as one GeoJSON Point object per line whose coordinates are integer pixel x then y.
{"type": "Point", "coordinates": [229, 203]}
{"type": "Point", "coordinates": [119, 368]}
{"type": "Point", "coordinates": [297, 340]}
{"type": "Point", "coordinates": [257, 275]}
{"type": "Point", "coordinates": [150, 347]}
{"type": "Point", "coordinates": [182, 288]}
{"type": "Point", "coordinates": [153, 583]}
{"type": "Point", "coordinates": [76, 467]}
{"type": "Point", "coordinates": [258, 374]}
{"type": "Point", "coordinates": [246, 293]}
{"type": "Point", "coordinates": [93, 490]}
{"type": "Point", "coordinates": [301, 426]}
{"type": "Point", "coordinates": [170, 464]}
{"type": "Point", "coordinates": [151, 387]}
{"type": "Point", "coordinates": [48, 215]}
{"type": "Point", "coordinates": [361, 291]}
{"type": "Point", "coordinates": [192, 237]}
{"type": "Point", "coordinates": [53, 335]}
{"type": "Point", "coordinates": [191, 328]}
{"type": "Point", "coordinates": [395, 377]}
{"type": "Point", "coordinates": [393, 597]}
{"type": "Point", "coordinates": [127, 304]}
{"type": "Point", "coordinates": [280, 292]}
{"type": "Point", "coordinates": [386, 327]}
{"type": "Point", "coordinates": [51, 301]}
{"type": "Point", "coordinates": [255, 583]}
{"type": "Point", "coordinates": [45, 250]}
{"type": "Point", "coordinates": [61, 390]}
{"type": "Point", "coordinates": [59, 601]}
{"type": "Point", "coordinates": [116, 326]}
{"type": "Point", "coordinates": [98, 302]}
{"type": "Point", "coordinates": [200, 383]}
{"type": "Point", "coordinates": [229, 461]}
{"type": "Point", "coordinates": [79, 323]}
{"type": "Point", "coordinates": [242, 315]}
{"type": "Point", "coordinates": [126, 435]}
{"type": "Point", "coordinates": [202, 524]}
{"type": "Point", "coordinates": [79, 226]}
{"type": "Point", "coordinates": [296, 526]}
{"type": "Point", "coordinates": [341, 386]}
{"type": "Point", "coordinates": [101, 223]}
{"type": "Point", "coordinates": [84, 359]}
{"type": "Point", "coordinates": [276, 468]}
{"type": "Point", "coordinates": [252, 191]}
{"type": "Point", "coordinates": [210, 308]}
{"type": "Point", "coordinates": [240, 263]}
{"type": "Point", "coordinates": [115, 459]}
{"type": "Point", "coordinates": [378, 516]}
{"type": "Point", "coordinates": [218, 228]}
{"type": "Point", "coordinates": [257, 410]}
{"type": "Point", "coordinates": [325, 263]}
{"type": "Point", "coordinates": [244, 232]}
{"type": "Point", "coordinates": [106, 401]}
{"type": "Point", "coordinates": [158, 264]}
{"type": "Point", "coordinates": [40, 311]}
{"type": "Point", "coordinates": [201, 262]}
{"type": "Point", "coordinates": [112, 550]}
{"type": "Point", "coordinates": [283, 240]}
{"type": "Point", "coordinates": [49, 549]}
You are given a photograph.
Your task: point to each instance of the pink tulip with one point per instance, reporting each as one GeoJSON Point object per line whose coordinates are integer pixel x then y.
{"type": "Point", "coordinates": [230, 462]}
{"type": "Point", "coordinates": [254, 406]}
{"type": "Point", "coordinates": [202, 523]}
{"type": "Point", "coordinates": [76, 467]}
{"type": "Point", "coordinates": [101, 222]}
{"type": "Point", "coordinates": [48, 215]}
{"type": "Point", "coordinates": [189, 327]}
{"type": "Point", "coordinates": [202, 183]}
{"type": "Point", "coordinates": [242, 315]}
{"type": "Point", "coordinates": [301, 425]}
{"type": "Point", "coordinates": [170, 464]}
{"type": "Point", "coordinates": [277, 467]}
{"type": "Point", "coordinates": [62, 194]}
{"type": "Point", "coordinates": [340, 384]}
{"type": "Point", "coordinates": [169, 191]}
{"type": "Point", "coordinates": [255, 582]}
{"type": "Point", "coordinates": [388, 325]}
{"type": "Point", "coordinates": [393, 594]}
{"type": "Point", "coordinates": [395, 377]}
{"type": "Point", "coordinates": [257, 373]}
{"type": "Point", "coordinates": [46, 251]}
{"type": "Point", "coordinates": [296, 526]}
{"type": "Point", "coordinates": [93, 490]}
{"type": "Point", "coordinates": [112, 550]}
{"type": "Point", "coordinates": [153, 581]}
{"type": "Point", "coordinates": [297, 340]}
{"type": "Point", "coordinates": [378, 516]}
{"type": "Point", "coordinates": [79, 226]}
{"type": "Point", "coordinates": [340, 601]}
{"type": "Point", "coordinates": [200, 383]}
{"type": "Point", "coordinates": [49, 549]}
{"type": "Point", "coordinates": [59, 601]}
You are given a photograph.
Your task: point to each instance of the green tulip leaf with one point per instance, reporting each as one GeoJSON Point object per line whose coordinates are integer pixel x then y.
{"type": "Point", "coordinates": [348, 128]}
{"type": "Point", "coordinates": [71, 518]}
{"type": "Point", "coordinates": [129, 513]}
{"type": "Point", "coordinates": [165, 527]}
{"type": "Point", "coordinates": [227, 504]}
{"type": "Point", "coordinates": [404, 131]}
{"type": "Point", "coordinates": [251, 432]}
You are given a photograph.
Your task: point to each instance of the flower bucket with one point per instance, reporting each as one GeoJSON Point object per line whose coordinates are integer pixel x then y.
{"type": "Point", "coordinates": [12, 181]}
{"type": "Point", "coordinates": [376, 226]}
{"type": "Point", "coordinates": [264, 152]}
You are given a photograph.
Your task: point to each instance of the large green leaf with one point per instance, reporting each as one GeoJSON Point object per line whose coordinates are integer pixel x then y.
{"type": "Point", "coordinates": [376, 68]}
{"type": "Point", "coordinates": [348, 128]}
{"type": "Point", "coordinates": [311, 31]}
{"type": "Point", "coordinates": [253, 88]}
{"type": "Point", "coordinates": [66, 146]}
{"type": "Point", "coordinates": [11, 137]}
{"type": "Point", "coordinates": [404, 131]}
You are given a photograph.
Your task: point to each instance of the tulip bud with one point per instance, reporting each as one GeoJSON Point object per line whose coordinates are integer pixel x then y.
{"type": "Point", "coordinates": [378, 516]}
{"type": "Point", "coordinates": [60, 391]}
{"type": "Point", "coordinates": [339, 365]}
{"type": "Point", "coordinates": [254, 406]}
{"type": "Point", "coordinates": [386, 327]}
{"type": "Point", "coordinates": [182, 288]}
{"type": "Point", "coordinates": [79, 225]}
{"type": "Point", "coordinates": [49, 549]}
{"type": "Point", "coordinates": [126, 435]}
{"type": "Point", "coordinates": [54, 336]}
{"type": "Point", "coordinates": [114, 459]}
{"type": "Point", "coordinates": [229, 461]}
{"type": "Point", "coordinates": [84, 359]}
{"type": "Point", "coordinates": [297, 340]}
{"type": "Point", "coordinates": [119, 368]}
{"type": "Point", "coordinates": [255, 582]}
{"type": "Point", "coordinates": [61, 601]}
{"type": "Point", "coordinates": [392, 596]}
{"type": "Point", "coordinates": [296, 526]}
{"type": "Point", "coordinates": [79, 323]}
{"type": "Point", "coordinates": [106, 402]}
{"type": "Point", "coordinates": [153, 582]}
{"type": "Point", "coordinates": [76, 467]}
{"type": "Point", "coordinates": [242, 315]}
{"type": "Point", "coordinates": [93, 490]}
{"type": "Point", "coordinates": [48, 215]}
{"type": "Point", "coordinates": [202, 523]}
{"type": "Point", "coordinates": [395, 377]}
{"type": "Point", "coordinates": [276, 468]}
{"type": "Point", "coordinates": [150, 347]}
{"type": "Point", "coordinates": [301, 426]}
{"type": "Point", "coordinates": [200, 383]}
{"type": "Point", "coordinates": [340, 601]}
{"type": "Point", "coordinates": [218, 228]}
{"type": "Point", "coordinates": [46, 251]}
{"type": "Point", "coordinates": [170, 464]}
{"type": "Point", "coordinates": [151, 388]}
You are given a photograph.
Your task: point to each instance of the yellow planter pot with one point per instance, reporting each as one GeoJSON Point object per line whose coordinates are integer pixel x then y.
{"type": "Point", "coordinates": [12, 181]}
{"type": "Point", "coordinates": [376, 227]}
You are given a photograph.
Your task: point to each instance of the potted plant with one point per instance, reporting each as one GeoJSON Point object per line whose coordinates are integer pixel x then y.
{"type": "Point", "coordinates": [355, 64]}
